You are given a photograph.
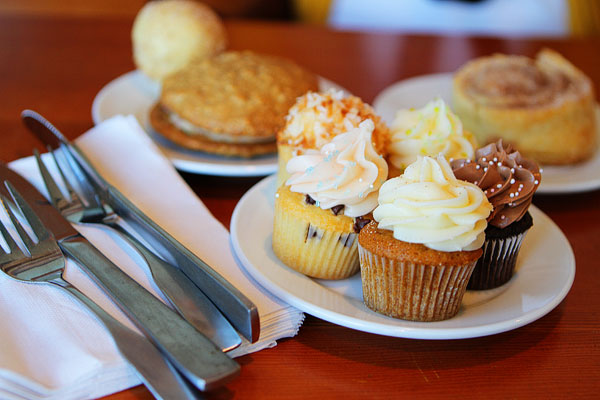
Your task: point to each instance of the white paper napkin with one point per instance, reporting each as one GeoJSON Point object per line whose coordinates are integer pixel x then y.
{"type": "Point", "coordinates": [51, 347]}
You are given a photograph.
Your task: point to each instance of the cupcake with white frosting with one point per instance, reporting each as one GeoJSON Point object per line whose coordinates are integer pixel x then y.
{"type": "Point", "coordinates": [428, 131]}
{"type": "Point", "coordinates": [418, 253]}
{"type": "Point", "coordinates": [328, 198]}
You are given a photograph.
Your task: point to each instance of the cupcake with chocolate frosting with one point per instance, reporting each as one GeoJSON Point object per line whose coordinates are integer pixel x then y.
{"type": "Point", "coordinates": [326, 201]}
{"type": "Point", "coordinates": [509, 181]}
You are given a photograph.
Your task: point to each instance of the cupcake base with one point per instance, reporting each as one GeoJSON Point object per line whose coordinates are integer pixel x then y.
{"type": "Point", "coordinates": [285, 152]}
{"type": "Point", "coordinates": [311, 240]}
{"type": "Point", "coordinates": [500, 250]}
{"type": "Point", "coordinates": [410, 281]}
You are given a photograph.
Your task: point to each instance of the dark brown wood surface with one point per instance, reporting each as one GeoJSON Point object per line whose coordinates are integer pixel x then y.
{"type": "Point", "coordinates": [57, 65]}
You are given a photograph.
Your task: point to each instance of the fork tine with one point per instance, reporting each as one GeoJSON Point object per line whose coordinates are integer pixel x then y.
{"type": "Point", "coordinates": [20, 230]}
{"type": "Point", "coordinates": [33, 220]}
{"type": "Point", "coordinates": [88, 192]}
{"type": "Point", "coordinates": [56, 196]}
{"type": "Point", "coordinates": [71, 192]}
{"type": "Point", "coordinates": [14, 248]}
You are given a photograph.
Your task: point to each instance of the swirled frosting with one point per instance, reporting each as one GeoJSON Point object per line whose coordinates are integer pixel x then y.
{"type": "Point", "coordinates": [428, 205]}
{"type": "Point", "coordinates": [346, 171]}
{"type": "Point", "coordinates": [317, 118]}
{"type": "Point", "coordinates": [428, 131]}
{"type": "Point", "coordinates": [508, 180]}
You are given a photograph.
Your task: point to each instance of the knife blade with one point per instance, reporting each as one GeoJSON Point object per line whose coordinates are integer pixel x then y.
{"type": "Point", "coordinates": [190, 352]}
{"type": "Point", "coordinates": [238, 309]}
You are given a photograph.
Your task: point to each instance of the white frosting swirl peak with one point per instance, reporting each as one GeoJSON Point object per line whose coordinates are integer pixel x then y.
{"type": "Point", "coordinates": [428, 131]}
{"type": "Point", "coordinates": [346, 171]}
{"type": "Point", "coordinates": [428, 205]}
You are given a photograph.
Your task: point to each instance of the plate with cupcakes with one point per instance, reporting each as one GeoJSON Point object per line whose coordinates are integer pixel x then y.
{"type": "Point", "coordinates": [542, 106]}
{"type": "Point", "coordinates": [407, 230]}
{"type": "Point", "coordinates": [210, 109]}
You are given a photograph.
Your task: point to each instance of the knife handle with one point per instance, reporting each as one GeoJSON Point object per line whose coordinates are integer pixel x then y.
{"type": "Point", "coordinates": [196, 357]}
{"type": "Point", "coordinates": [159, 376]}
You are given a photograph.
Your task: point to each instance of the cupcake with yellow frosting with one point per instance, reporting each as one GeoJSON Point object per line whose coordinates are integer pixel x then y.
{"type": "Point", "coordinates": [317, 117]}
{"type": "Point", "coordinates": [428, 131]}
{"type": "Point", "coordinates": [328, 198]}
{"type": "Point", "coordinates": [418, 254]}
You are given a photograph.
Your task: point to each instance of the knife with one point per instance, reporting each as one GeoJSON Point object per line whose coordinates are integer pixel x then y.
{"type": "Point", "coordinates": [190, 352]}
{"type": "Point", "coordinates": [238, 309]}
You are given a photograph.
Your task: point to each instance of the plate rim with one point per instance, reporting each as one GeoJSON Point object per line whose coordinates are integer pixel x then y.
{"type": "Point", "coordinates": [545, 187]}
{"type": "Point", "coordinates": [394, 330]}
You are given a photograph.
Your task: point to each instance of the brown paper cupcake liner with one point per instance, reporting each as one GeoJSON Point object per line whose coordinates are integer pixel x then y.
{"type": "Point", "coordinates": [412, 291]}
{"type": "Point", "coordinates": [497, 264]}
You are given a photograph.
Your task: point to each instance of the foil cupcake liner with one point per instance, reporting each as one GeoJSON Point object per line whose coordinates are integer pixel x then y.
{"type": "Point", "coordinates": [412, 291]}
{"type": "Point", "coordinates": [497, 264]}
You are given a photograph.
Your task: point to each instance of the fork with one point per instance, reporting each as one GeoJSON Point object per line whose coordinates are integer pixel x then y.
{"type": "Point", "coordinates": [45, 264]}
{"type": "Point", "coordinates": [181, 293]}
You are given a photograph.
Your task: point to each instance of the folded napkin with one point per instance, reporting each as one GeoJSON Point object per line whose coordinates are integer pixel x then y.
{"type": "Point", "coordinates": [52, 347]}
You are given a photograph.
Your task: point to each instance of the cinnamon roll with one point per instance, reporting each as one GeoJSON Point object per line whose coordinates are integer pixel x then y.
{"type": "Point", "coordinates": [545, 106]}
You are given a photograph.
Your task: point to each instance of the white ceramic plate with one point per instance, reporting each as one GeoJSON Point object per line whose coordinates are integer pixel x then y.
{"type": "Point", "coordinates": [416, 92]}
{"type": "Point", "coordinates": [545, 272]}
{"type": "Point", "coordinates": [134, 93]}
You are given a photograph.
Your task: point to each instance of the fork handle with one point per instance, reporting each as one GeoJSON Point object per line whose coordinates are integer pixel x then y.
{"type": "Point", "coordinates": [184, 296]}
{"type": "Point", "coordinates": [196, 357]}
{"type": "Point", "coordinates": [158, 375]}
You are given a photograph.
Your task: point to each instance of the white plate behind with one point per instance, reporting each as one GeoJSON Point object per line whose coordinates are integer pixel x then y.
{"type": "Point", "coordinates": [416, 92]}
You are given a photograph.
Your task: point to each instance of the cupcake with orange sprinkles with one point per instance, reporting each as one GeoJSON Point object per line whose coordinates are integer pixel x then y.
{"type": "Point", "coordinates": [317, 117]}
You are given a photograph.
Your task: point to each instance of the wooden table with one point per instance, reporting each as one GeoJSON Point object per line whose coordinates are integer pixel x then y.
{"type": "Point", "coordinates": [56, 66]}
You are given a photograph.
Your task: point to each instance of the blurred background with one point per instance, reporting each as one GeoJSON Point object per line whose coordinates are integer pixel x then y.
{"type": "Point", "coordinates": [524, 18]}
